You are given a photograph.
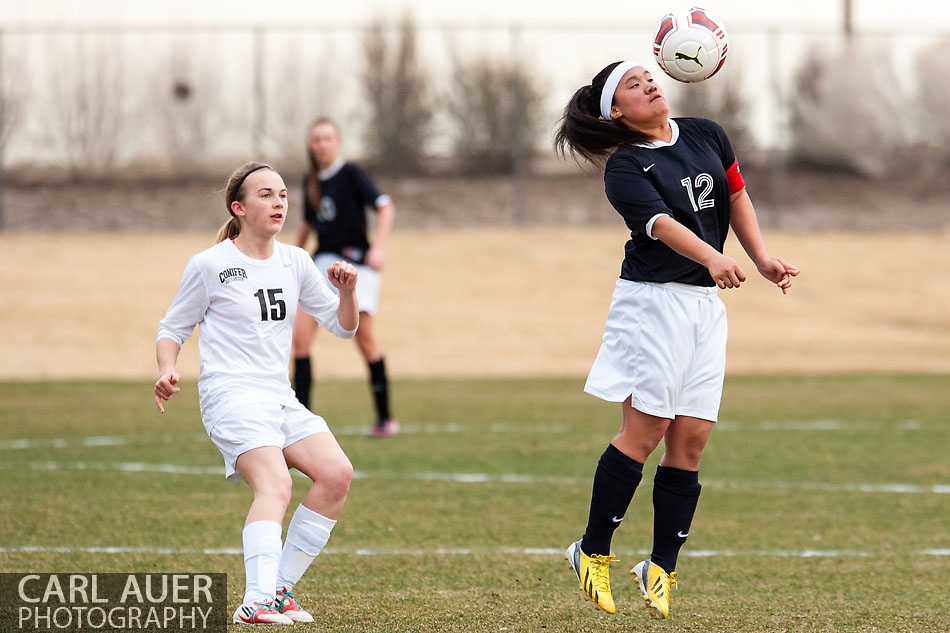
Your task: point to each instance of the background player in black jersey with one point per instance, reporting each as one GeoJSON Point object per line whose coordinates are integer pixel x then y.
{"type": "Point", "coordinates": [677, 185]}
{"type": "Point", "coordinates": [336, 194]}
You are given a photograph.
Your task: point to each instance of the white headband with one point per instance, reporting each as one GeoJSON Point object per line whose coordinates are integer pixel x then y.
{"type": "Point", "coordinates": [610, 86]}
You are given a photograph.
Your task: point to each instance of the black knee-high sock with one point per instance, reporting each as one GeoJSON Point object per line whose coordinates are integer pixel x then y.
{"type": "Point", "coordinates": [303, 380]}
{"type": "Point", "coordinates": [675, 495]}
{"type": "Point", "coordinates": [615, 481]}
{"type": "Point", "coordinates": [380, 387]}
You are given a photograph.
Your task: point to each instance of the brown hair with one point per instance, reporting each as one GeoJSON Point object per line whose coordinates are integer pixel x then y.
{"type": "Point", "coordinates": [313, 182]}
{"type": "Point", "coordinates": [232, 193]}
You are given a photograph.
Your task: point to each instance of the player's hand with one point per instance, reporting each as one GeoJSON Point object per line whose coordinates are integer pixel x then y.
{"type": "Point", "coordinates": [375, 258]}
{"type": "Point", "coordinates": [165, 388]}
{"type": "Point", "coordinates": [342, 276]}
{"type": "Point", "coordinates": [778, 271]}
{"type": "Point", "coordinates": [726, 272]}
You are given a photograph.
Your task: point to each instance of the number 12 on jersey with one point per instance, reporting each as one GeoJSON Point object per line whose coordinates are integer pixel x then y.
{"type": "Point", "coordinates": [271, 305]}
{"type": "Point", "coordinates": [704, 202]}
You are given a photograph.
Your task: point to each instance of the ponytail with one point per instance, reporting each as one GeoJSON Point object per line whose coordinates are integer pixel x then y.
{"type": "Point", "coordinates": [313, 188]}
{"type": "Point", "coordinates": [583, 131]}
{"type": "Point", "coordinates": [230, 230]}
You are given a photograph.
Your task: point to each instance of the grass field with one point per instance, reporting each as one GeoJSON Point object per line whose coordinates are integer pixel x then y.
{"type": "Point", "coordinates": [826, 504]}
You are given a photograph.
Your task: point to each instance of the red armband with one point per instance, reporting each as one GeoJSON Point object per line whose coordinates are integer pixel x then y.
{"type": "Point", "coordinates": [736, 183]}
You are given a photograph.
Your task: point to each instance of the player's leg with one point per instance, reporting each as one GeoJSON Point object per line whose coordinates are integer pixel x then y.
{"type": "Point", "coordinates": [676, 491]}
{"type": "Point", "coordinates": [305, 328]}
{"type": "Point", "coordinates": [701, 361]}
{"type": "Point", "coordinates": [320, 458]}
{"type": "Point", "coordinates": [676, 488]}
{"type": "Point", "coordinates": [618, 474]}
{"type": "Point", "coordinates": [372, 353]}
{"type": "Point", "coordinates": [265, 471]}
{"type": "Point", "coordinates": [616, 479]}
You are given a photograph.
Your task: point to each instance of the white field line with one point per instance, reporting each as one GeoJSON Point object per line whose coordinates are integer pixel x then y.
{"type": "Point", "coordinates": [128, 467]}
{"type": "Point", "coordinates": [188, 438]}
{"type": "Point", "coordinates": [100, 440]}
{"type": "Point", "coordinates": [820, 425]}
{"type": "Point", "coordinates": [507, 478]}
{"type": "Point", "coordinates": [459, 427]}
{"type": "Point", "coordinates": [448, 427]}
{"type": "Point", "coordinates": [466, 551]}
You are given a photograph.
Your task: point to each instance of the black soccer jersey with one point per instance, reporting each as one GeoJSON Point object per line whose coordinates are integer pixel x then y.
{"type": "Point", "coordinates": [340, 220]}
{"type": "Point", "coordinates": [686, 179]}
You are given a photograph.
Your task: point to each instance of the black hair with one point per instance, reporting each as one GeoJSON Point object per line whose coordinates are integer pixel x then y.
{"type": "Point", "coordinates": [583, 131]}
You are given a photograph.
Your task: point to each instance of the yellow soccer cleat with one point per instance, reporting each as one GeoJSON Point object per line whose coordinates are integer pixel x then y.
{"type": "Point", "coordinates": [655, 585]}
{"type": "Point", "coordinates": [593, 575]}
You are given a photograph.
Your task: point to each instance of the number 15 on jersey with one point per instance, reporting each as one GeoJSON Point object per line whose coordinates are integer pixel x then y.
{"type": "Point", "coordinates": [271, 306]}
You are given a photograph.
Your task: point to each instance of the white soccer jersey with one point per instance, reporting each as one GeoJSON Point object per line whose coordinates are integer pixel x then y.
{"type": "Point", "coordinates": [245, 308]}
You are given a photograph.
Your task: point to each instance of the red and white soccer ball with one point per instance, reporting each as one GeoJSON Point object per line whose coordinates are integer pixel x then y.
{"type": "Point", "coordinates": [690, 45]}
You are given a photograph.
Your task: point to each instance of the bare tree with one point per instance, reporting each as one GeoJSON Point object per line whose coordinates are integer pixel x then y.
{"type": "Point", "coordinates": [187, 83]}
{"type": "Point", "coordinates": [12, 94]}
{"type": "Point", "coordinates": [933, 76]}
{"type": "Point", "coordinates": [846, 116]}
{"type": "Point", "coordinates": [309, 88]}
{"type": "Point", "coordinates": [496, 112]}
{"type": "Point", "coordinates": [87, 102]}
{"type": "Point", "coordinates": [720, 100]}
{"type": "Point", "coordinates": [12, 97]}
{"type": "Point", "coordinates": [398, 94]}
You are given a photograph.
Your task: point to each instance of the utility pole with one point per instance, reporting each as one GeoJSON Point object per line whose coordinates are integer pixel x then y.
{"type": "Point", "coordinates": [848, 20]}
{"type": "Point", "coordinates": [519, 140]}
{"type": "Point", "coordinates": [3, 115]}
{"type": "Point", "coordinates": [260, 114]}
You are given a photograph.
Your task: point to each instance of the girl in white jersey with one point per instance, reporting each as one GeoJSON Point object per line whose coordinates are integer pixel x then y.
{"type": "Point", "coordinates": [677, 185]}
{"type": "Point", "coordinates": [244, 292]}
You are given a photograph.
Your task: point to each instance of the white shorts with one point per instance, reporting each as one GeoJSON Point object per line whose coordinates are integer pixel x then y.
{"type": "Point", "coordinates": [262, 424]}
{"type": "Point", "coordinates": [367, 281]}
{"type": "Point", "coordinates": [664, 346]}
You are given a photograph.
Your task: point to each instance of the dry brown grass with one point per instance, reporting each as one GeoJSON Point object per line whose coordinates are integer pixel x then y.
{"type": "Point", "coordinates": [487, 302]}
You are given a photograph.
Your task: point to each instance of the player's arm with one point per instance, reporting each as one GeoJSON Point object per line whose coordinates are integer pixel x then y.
{"type": "Point", "coordinates": [342, 276]}
{"type": "Point", "coordinates": [643, 209]}
{"type": "Point", "coordinates": [185, 312]}
{"type": "Point", "coordinates": [303, 234]}
{"type": "Point", "coordinates": [724, 270]}
{"type": "Point", "coordinates": [743, 221]}
{"type": "Point", "coordinates": [336, 312]}
{"type": "Point", "coordinates": [376, 256]}
{"type": "Point", "coordinates": [166, 352]}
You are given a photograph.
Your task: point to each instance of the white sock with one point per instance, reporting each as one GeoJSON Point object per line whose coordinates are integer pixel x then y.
{"type": "Point", "coordinates": [306, 536]}
{"type": "Point", "coordinates": [261, 559]}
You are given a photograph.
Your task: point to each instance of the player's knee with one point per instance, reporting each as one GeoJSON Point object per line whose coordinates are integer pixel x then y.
{"type": "Point", "coordinates": [337, 481]}
{"type": "Point", "coordinates": [684, 457]}
{"type": "Point", "coordinates": [278, 489]}
{"type": "Point", "coordinates": [301, 348]}
{"type": "Point", "coordinates": [637, 445]}
{"type": "Point", "coordinates": [366, 343]}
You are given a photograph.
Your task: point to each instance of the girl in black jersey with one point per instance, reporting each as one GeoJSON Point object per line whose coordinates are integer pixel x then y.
{"type": "Point", "coordinates": [336, 194]}
{"type": "Point", "coordinates": [677, 185]}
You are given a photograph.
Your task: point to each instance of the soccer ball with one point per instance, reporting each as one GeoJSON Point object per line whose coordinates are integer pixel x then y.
{"type": "Point", "coordinates": [691, 45]}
